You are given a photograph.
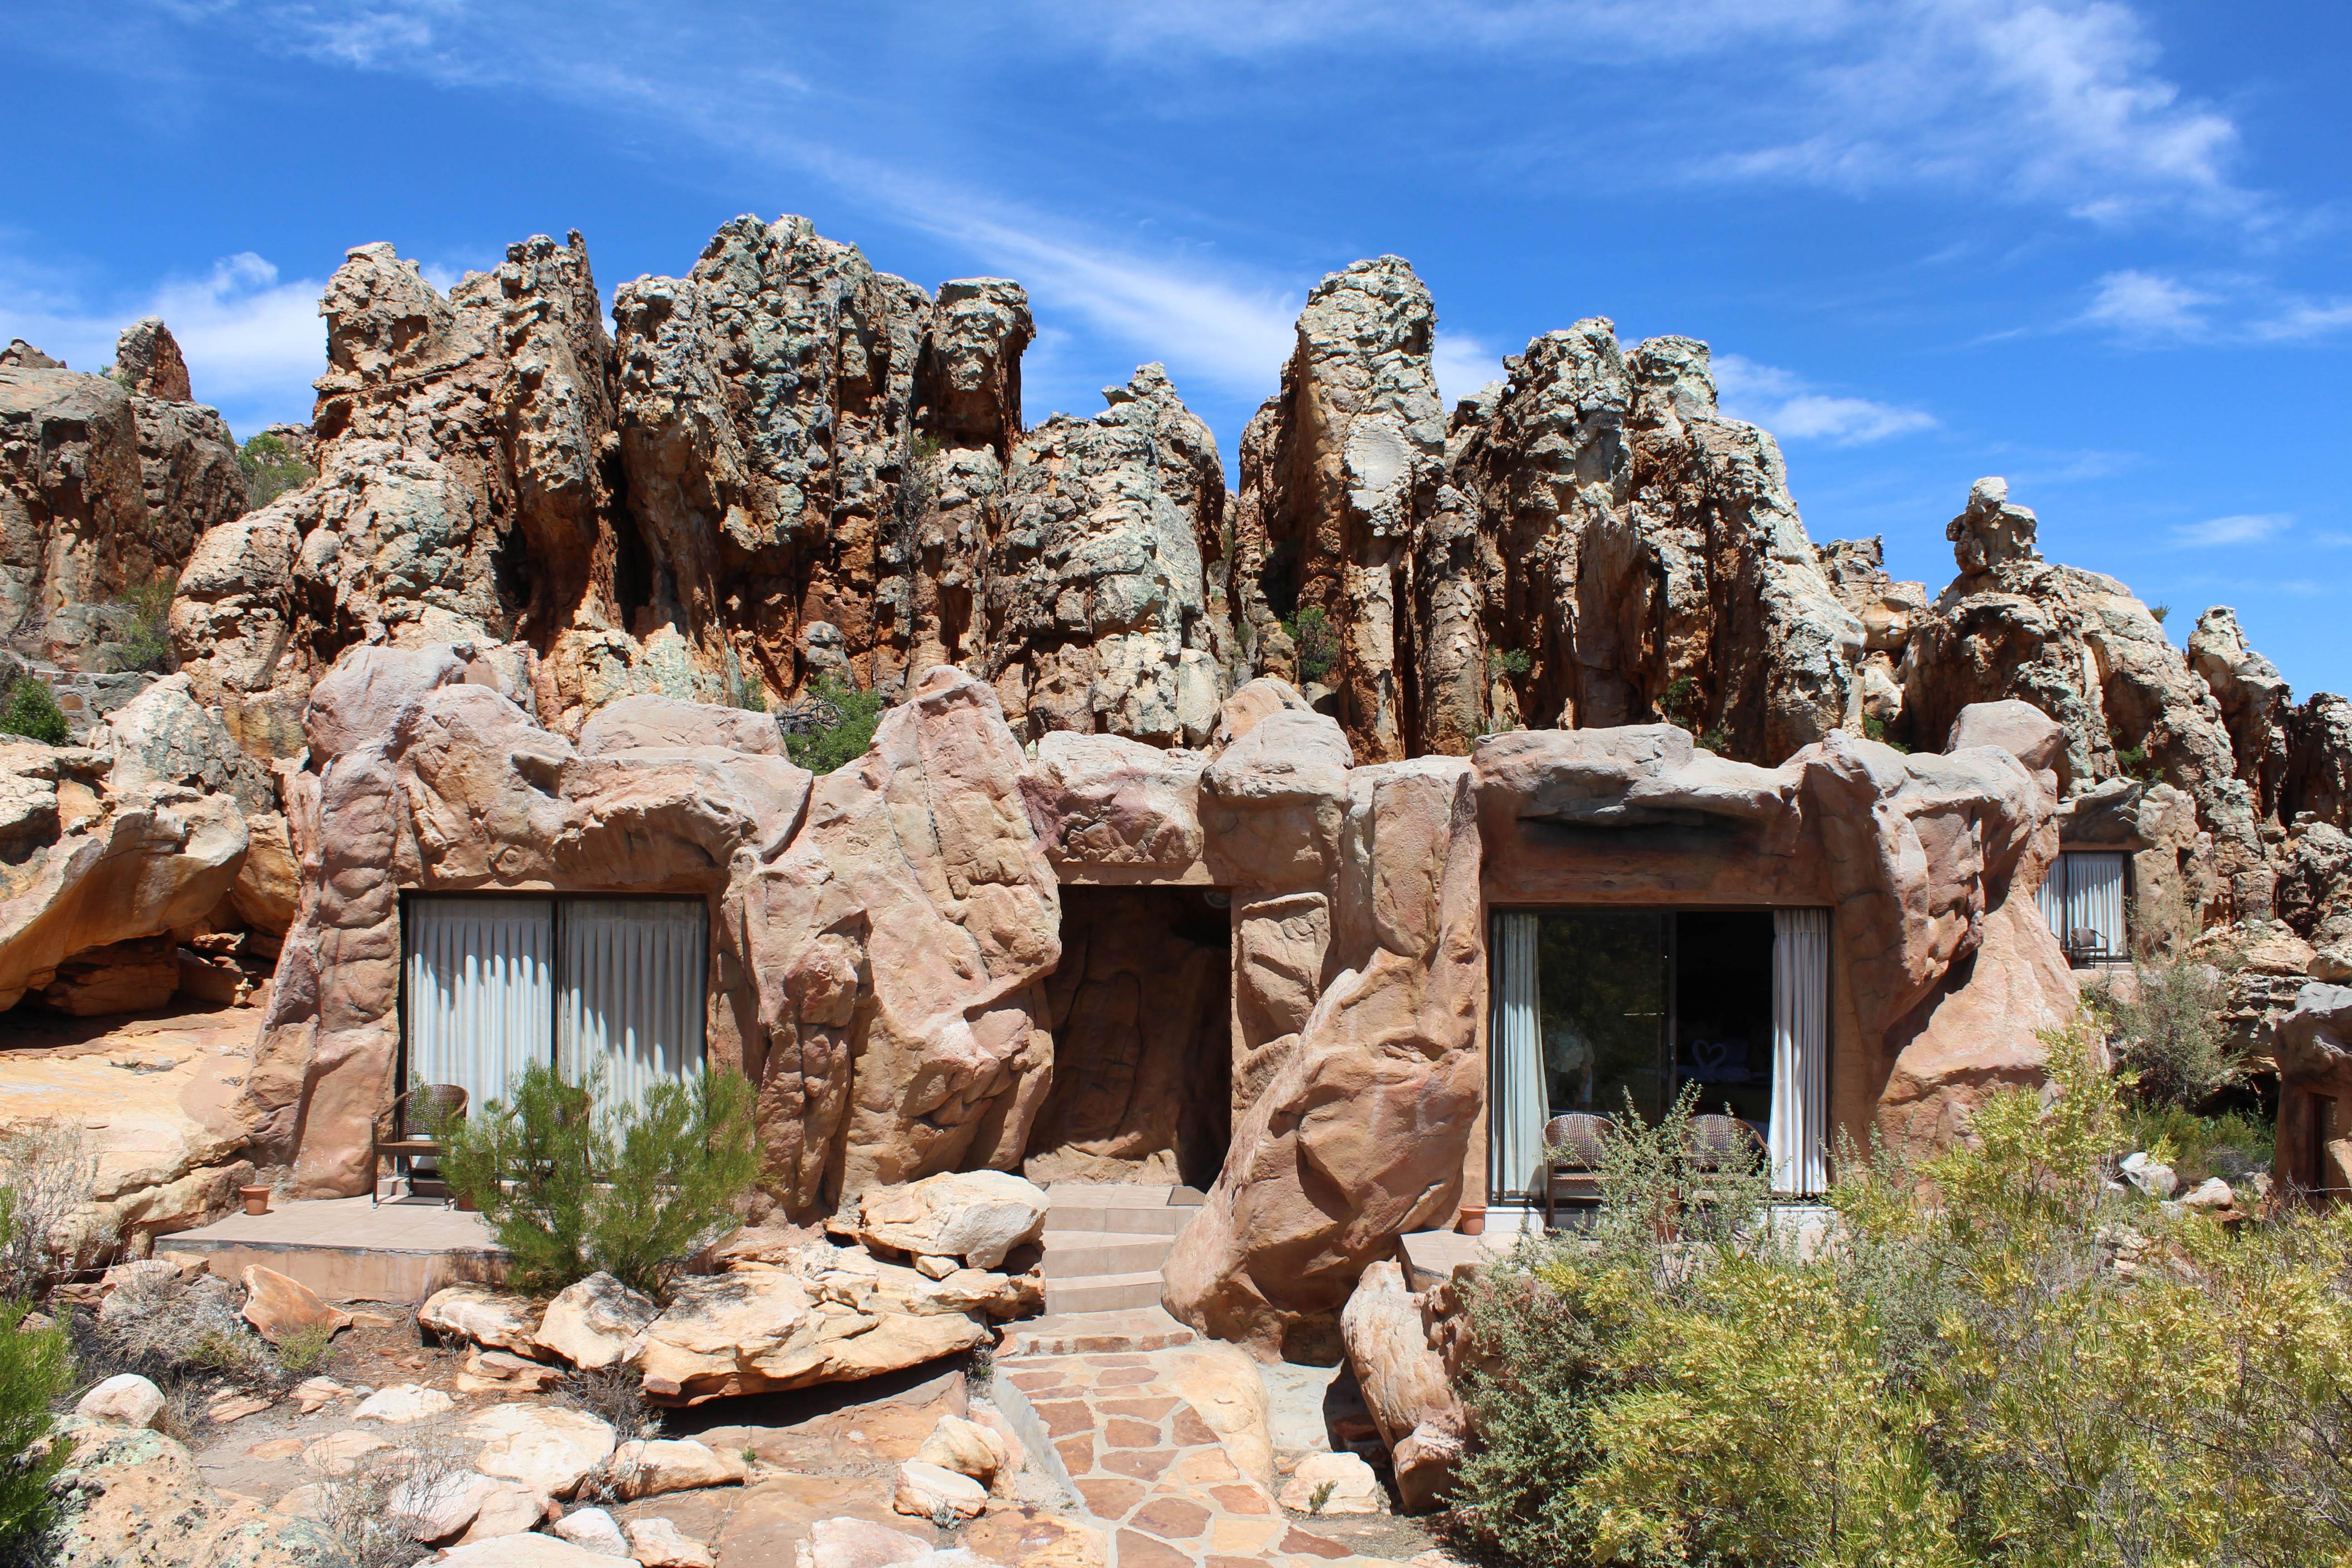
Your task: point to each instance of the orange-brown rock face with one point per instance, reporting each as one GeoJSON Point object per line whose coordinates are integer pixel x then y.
{"type": "Point", "coordinates": [881, 932]}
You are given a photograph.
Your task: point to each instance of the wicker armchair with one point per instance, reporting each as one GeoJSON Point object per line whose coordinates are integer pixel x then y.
{"type": "Point", "coordinates": [1716, 1142]}
{"type": "Point", "coordinates": [410, 1128]}
{"type": "Point", "coordinates": [1572, 1146]}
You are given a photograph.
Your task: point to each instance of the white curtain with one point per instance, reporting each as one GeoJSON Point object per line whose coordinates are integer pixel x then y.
{"type": "Point", "coordinates": [2084, 891]}
{"type": "Point", "coordinates": [2051, 897]}
{"type": "Point", "coordinates": [1517, 1104]}
{"type": "Point", "coordinates": [2094, 895]}
{"type": "Point", "coordinates": [1799, 1133]}
{"type": "Point", "coordinates": [632, 993]}
{"type": "Point", "coordinates": [480, 992]}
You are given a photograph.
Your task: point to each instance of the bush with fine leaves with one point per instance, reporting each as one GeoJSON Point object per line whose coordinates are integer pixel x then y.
{"type": "Point", "coordinates": [635, 1191]}
{"type": "Point", "coordinates": [35, 1368]}
{"type": "Point", "coordinates": [1995, 1357]}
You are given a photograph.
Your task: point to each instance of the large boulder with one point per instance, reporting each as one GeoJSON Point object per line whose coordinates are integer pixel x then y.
{"type": "Point", "coordinates": [1359, 1134]}
{"type": "Point", "coordinates": [976, 1216]}
{"type": "Point", "coordinates": [134, 1496]}
{"type": "Point", "coordinates": [1404, 1384]}
{"type": "Point", "coordinates": [757, 1329]}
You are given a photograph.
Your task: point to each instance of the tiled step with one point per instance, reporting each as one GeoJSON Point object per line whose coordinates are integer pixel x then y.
{"type": "Point", "coordinates": [1096, 1333]}
{"type": "Point", "coordinates": [1074, 1254]}
{"type": "Point", "coordinates": [1104, 1292]}
{"type": "Point", "coordinates": [1142, 1211]}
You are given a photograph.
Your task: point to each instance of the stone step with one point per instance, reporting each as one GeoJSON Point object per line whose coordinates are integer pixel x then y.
{"type": "Point", "coordinates": [1104, 1292]}
{"type": "Point", "coordinates": [1073, 1253]}
{"type": "Point", "coordinates": [1096, 1333]}
{"type": "Point", "coordinates": [1126, 1221]}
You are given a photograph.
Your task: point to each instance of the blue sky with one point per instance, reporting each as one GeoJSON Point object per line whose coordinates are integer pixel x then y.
{"type": "Point", "coordinates": [2098, 246]}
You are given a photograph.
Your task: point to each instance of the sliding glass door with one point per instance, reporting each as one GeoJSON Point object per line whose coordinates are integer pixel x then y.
{"type": "Point", "coordinates": [612, 986]}
{"type": "Point", "coordinates": [1615, 1012]}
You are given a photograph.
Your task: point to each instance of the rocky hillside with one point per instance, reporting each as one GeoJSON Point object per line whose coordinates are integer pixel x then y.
{"type": "Point", "coordinates": [786, 469]}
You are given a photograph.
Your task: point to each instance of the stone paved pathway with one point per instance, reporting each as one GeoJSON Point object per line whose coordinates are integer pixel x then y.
{"type": "Point", "coordinates": [1152, 1470]}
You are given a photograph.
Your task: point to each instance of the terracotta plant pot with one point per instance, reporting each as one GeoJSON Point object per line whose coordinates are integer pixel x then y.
{"type": "Point", "coordinates": [257, 1199]}
{"type": "Point", "coordinates": [1473, 1221]}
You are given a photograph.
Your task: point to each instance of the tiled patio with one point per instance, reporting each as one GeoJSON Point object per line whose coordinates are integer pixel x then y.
{"type": "Point", "coordinates": [353, 1249]}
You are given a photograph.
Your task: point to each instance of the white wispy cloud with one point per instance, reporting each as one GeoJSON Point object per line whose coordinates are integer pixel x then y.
{"type": "Point", "coordinates": [251, 338]}
{"type": "Point", "coordinates": [1461, 364]}
{"type": "Point", "coordinates": [2304, 319]}
{"type": "Point", "coordinates": [2056, 101]}
{"type": "Point", "coordinates": [1794, 409]}
{"type": "Point", "coordinates": [2147, 305]}
{"type": "Point", "coordinates": [2245, 528]}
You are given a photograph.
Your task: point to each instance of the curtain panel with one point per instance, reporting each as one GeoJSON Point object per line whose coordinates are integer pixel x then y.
{"type": "Point", "coordinates": [1517, 1102]}
{"type": "Point", "coordinates": [631, 996]}
{"type": "Point", "coordinates": [1798, 1135]}
{"type": "Point", "coordinates": [481, 995]}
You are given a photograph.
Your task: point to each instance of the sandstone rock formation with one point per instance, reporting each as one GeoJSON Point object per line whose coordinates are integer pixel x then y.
{"type": "Point", "coordinates": [846, 925]}
{"type": "Point", "coordinates": [106, 484]}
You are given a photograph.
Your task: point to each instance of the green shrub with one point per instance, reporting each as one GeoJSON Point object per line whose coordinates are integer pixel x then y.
{"type": "Point", "coordinates": [2134, 762]}
{"type": "Point", "coordinates": [2232, 1145]}
{"type": "Point", "coordinates": [634, 1191]}
{"type": "Point", "coordinates": [272, 469]}
{"type": "Point", "coordinates": [1876, 730]}
{"type": "Point", "coordinates": [34, 1369]}
{"type": "Point", "coordinates": [31, 710]}
{"type": "Point", "coordinates": [1313, 640]}
{"type": "Point", "coordinates": [147, 645]}
{"type": "Point", "coordinates": [1511, 662]}
{"type": "Point", "coordinates": [1995, 1359]}
{"type": "Point", "coordinates": [2169, 1034]}
{"type": "Point", "coordinates": [845, 738]}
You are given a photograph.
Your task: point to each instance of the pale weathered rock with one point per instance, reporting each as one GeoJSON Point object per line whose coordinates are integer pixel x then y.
{"type": "Point", "coordinates": [2150, 1177]}
{"type": "Point", "coordinates": [1404, 1384]}
{"type": "Point", "coordinates": [966, 1447]}
{"type": "Point", "coordinates": [280, 1307]}
{"type": "Point", "coordinates": [931, 1491]}
{"type": "Point", "coordinates": [439, 1509]}
{"type": "Point", "coordinates": [593, 1530]}
{"type": "Point", "coordinates": [2212, 1193]}
{"type": "Point", "coordinates": [480, 1317]}
{"type": "Point", "coordinates": [649, 1468]}
{"type": "Point", "coordinates": [591, 1321]}
{"type": "Point", "coordinates": [1333, 1483]}
{"type": "Point", "coordinates": [658, 1543]}
{"type": "Point", "coordinates": [404, 1402]}
{"type": "Point", "coordinates": [511, 1508]}
{"type": "Point", "coordinates": [523, 1552]}
{"type": "Point", "coordinates": [127, 1398]}
{"type": "Point", "coordinates": [549, 1449]}
{"type": "Point", "coordinates": [862, 1543]}
{"type": "Point", "coordinates": [978, 1215]}
{"type": "Point", "coordinates": [753, 1330]}
{"type": "Point", "coordinates": [500, 1371]}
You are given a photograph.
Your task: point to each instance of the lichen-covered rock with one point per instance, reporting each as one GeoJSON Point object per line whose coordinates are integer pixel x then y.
{"type": "Point", "coordinates": [73, 509]}
{"type": "Point", "coordinates": [2081, 649]}
{"type": "Point", "coordinates": [133, 1496]}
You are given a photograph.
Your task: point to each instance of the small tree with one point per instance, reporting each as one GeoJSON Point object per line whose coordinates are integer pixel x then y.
{"type": "Point", "coordinates": [35, 1368]}
{"type": "Point", "coordinates": [147, 645]}
{"type": "Point", "coordinates": [31, 711]}
{"type": "Point", "coordinates": [634, 1191]}
{"type": "Point", "coordinates": [851, 716]}
{"type": "Point", "coordinates": [1317, 645]}
{"type": "Point", "coordinates": [272, 469]}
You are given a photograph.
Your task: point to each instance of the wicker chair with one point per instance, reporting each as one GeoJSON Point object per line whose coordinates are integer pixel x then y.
{"type": "Point", "coordinates": [1718, 1143]}
{"type": "Point", "coordinates": [1572, 1153]}
{"type": "Point", "coordinates": [410, 1128]}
